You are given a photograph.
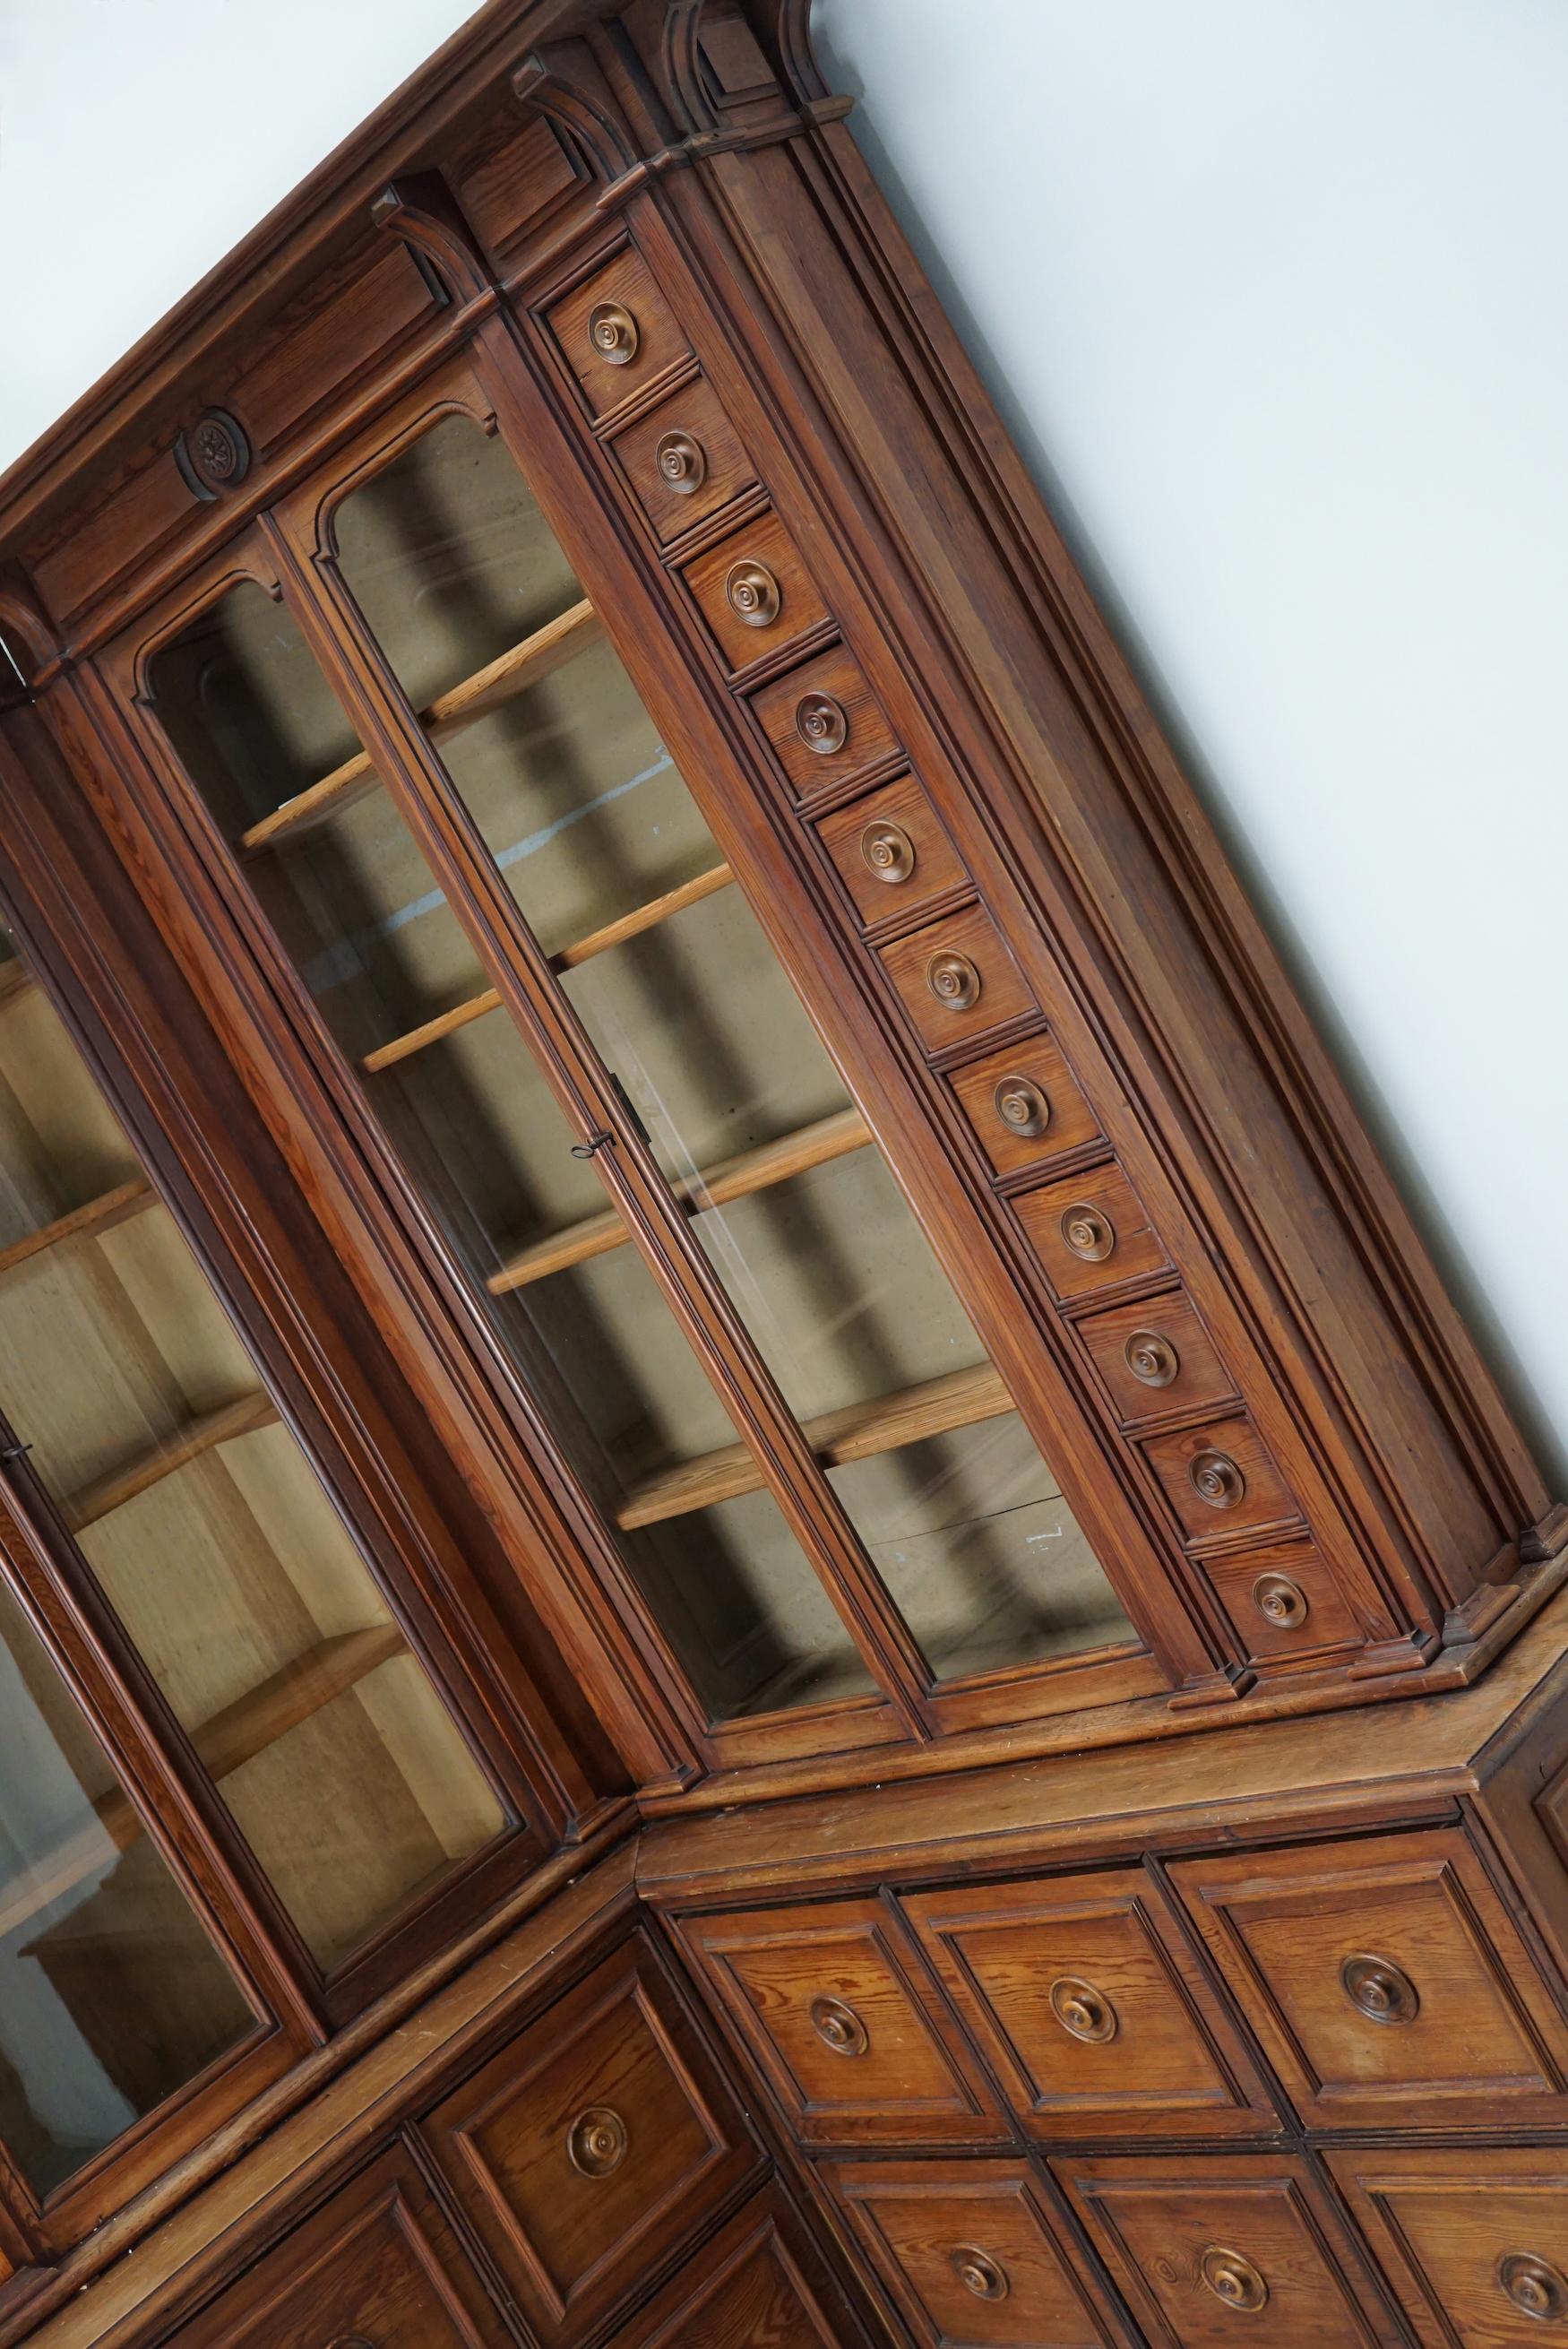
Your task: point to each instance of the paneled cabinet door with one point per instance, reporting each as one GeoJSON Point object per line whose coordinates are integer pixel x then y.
{"type": "Point", "coordinates": [377, 2268]}
{"type": "Point", "coordinates": [1386, 1981]}
{"type": "Point", "coordinates": [1474, 2243]}
{"type": "Point", "coordinates": [759, 2284]}
{"type": "Point", "coordinates": [593, 2147]}
{"type": "Point", "coordinates": [1091, 2008]}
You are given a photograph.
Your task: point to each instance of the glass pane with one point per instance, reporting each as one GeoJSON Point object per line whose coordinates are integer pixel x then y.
{"type": "Point", "coordinates": [205, 1524]}
{"type": "Point", "coordinates": [112, 1994]}
{"type": "Point", "coordinates": [553, 753]}
{"type": "Point", "coordinates": [360, 914]}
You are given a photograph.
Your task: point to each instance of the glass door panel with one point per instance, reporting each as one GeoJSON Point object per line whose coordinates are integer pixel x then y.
{"type": "Point", "coordinates": [204, 1522]}
{"type": "Point", "coordinates": [470, 1115]}
{"type": "Point", "coordinates": [112, 1996]}
{"type": "Point", "coordinates": [549, 750]}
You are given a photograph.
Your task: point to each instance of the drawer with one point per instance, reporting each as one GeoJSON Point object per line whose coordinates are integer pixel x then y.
{"type": "Point", "coordinates": [1090, 2008]}
{"type": "Point", "coordinates": [1214, 2250]}
{"type": "Point", "coordinates": [1156, 1358]}
{"type": "Point", "coordinates": [973, 2254]}
{"type": "Point", "coordinates": [1280, 1600]}
{"type": "Point", "coordinates": [753, 593]}
{"type": "Point", "coordinates": [377, 2263]}
{"type": "Point", "coordinates": [760, 2284]}
{"type": "Point", "coordinates": [835, 2005]}
{"type": "Point", "coordinates": [1218, 1478]}
{"type": "Point", "coordinates": [685, 461]}
{"type": "Point", "coordinates": [1474, 2244]}
{"type": "Point", "coordinates": [616, 332]}
{"type": "Point", "coordinates": [1090, 1232]}
{"type": "Point", "coordinates": [1024, 1104]}
{"type": "Point", "coordinates": [824, 723]}
{"type": "Point", "coordinates": [592, 2146]}
{"type": "Point", "coordinates": [1386, 1980]}
{"type": "Point", "coordinates": [891, 850]}
{"type": "Point", "coordinates": [956, 978]}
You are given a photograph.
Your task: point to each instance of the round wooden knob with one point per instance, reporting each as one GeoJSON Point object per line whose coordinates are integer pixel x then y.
{"type": "Point", "coordinates": [1281, 1601]}
{"type": "Point", "coordinates": [1082, 2010]}
{"type": "Point", "coordinates": [1534, 2286]}
{"type": "Point", "coordinates": [1089, 1233]}
{"type": "Point", "coordinates": [1152, 1360]}
{"type": "Point", "coordinates": [821, 724]}
{"type": "Point", "coordinates": [613, 332]}
{"type": "Point", "coordinates": [1379, 1989]}
{"type": "Point", "coordinates": [1216, 1479]}
{"type": "Point", "coordinates": [837, 2026]}
{"type": "Point", "coordinates": [753, 594]}
{"type": "Point", "coordinates": [1233, 2279]}
{"type": "Point", "coordinates": [954, 980]}
{"type": "Point", "coordinates": [596, 2141]}
{"type": "Point", "coordinates": [1021, 1106]}
{"type": "Point", "coordinates": [978, 2273]}
{"type": "Point", "coordinates": [681, 463]}
{"type": "Point", "coordinates": [888, 852]}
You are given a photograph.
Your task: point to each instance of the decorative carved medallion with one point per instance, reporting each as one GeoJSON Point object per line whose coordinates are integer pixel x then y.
{"type": "Point", "coordinates": [1233, 2279]}
{"type": "Point", "coordinates": [596, 2141]}
{"type": "Point", "coordinates": [888, 852]}
{"type": "Point", "coordinates": [1216, 1478]}
{"type": "Point", "coordinates": [978, 2273]}
{"type": "Point", "coordinates": [821, 724]}
{"type": "Point", "coordinates": [214, 456]}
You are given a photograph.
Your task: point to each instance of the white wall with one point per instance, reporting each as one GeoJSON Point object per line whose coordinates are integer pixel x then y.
{"type": "Point", "coordinates": [1273, 296]}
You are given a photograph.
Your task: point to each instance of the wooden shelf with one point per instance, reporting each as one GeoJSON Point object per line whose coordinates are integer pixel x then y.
{"type": "Point", "coordinates": [857, 1432]}
{"type": "Point", "coordinates": [232, 1737]}
{"type": "Point", "coordinates": [106, 1493]}
{"type": "Point", "coordinates": [733, 1178]}
{"type": "Point", "coordinates": [489, 688]}
{"type": "Point", "coordinates": [100, 1214]}
{"type": "Point", "coordinates": [613, 934]}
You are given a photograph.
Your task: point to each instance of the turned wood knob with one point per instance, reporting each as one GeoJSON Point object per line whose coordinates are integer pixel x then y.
{"type": "Point", "coordinates": [613, 332]}
{"type": "Point", "coordinates": [1152, 1358]}
{"type": "Point", "coordinates": [753, 594]}
{"type": "Point", "coordinates": [821, 724]}
{"type": "Point", "coordinates": [1216, 1479]}
{"type": "Point", "coordinates": [1088, 1232]}
{"type": "Point", "coordinates": [1021, 1106]}
{"type": "Point", "coordinates": [1379, 1989]}
{"type": "Point", "coordinates": [1281, 1601]}
{"type": "Point", "coordinates": [887, 851]}
{"type": "Point", "coordinates": [1534, 2286]}
{"type": "Point", "coordinates": [1232, 2280]}
{"type": "Point", "coordinates": [596, 2141]}
{"type": "Point", "coordinates": [837, 2026]}
{"type": "Point", "coordinates": [1082, 2010]}
{"type": "Point", "coordinates": [681, 463]}
{"type": "Point", "coordinates": [978, 2273]}
{"type": "Point", "coordinates": [954, 980]}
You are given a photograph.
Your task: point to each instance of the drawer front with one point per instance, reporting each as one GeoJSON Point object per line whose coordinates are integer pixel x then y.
{"type": "Point", "coordinates": [1218, 1478]}
{"type": "Point", "coordinates": [592, 2146]}
{"type": "Point", "coordinates": [1280, 1600]}
{"type": "Point", "coordinates": [973, 2254]}
{"type": "Point", "coordinates": [753, 593]}
{"type": "Point", "coordinates": [1156, 1358]}
{"type": "Point", "coordinates": [760, 2284]}
{"type": "Point", "coordinates": [1211, 2253]}
{"type": "Point", "coordinates": [378, 2263]}
{"type": "Point", "coordinates": [1091, 2010]}
{"type": "Point", "coordinates": [616, 332]}
{"type": "Point", "coordinates": [1024, 1105]}
{"type": "Point", "coordinates": [890, 850]}
{"type": "Point", "coordinates": [835, 2006]}
{"type": "Point", "coordinates": [684, 461]}
{"type": "Point", "coordinates": [1474, 2244]}
{"type": "Point", "coordinates": [1385, 1980]}
{"type": "Point", "coordinates": [956, 978]}
{"type": "Point", "coordinates": [1090, 1232]}
{"type": "Point", "coordinates": [824, 723]}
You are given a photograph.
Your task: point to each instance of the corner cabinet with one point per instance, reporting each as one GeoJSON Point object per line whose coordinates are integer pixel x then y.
{"type": "Point", "coordinates": [650, 1161]}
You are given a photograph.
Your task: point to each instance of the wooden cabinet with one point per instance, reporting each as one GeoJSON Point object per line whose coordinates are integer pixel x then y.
{"type": "Point", "coordinates": [1474, 2243]}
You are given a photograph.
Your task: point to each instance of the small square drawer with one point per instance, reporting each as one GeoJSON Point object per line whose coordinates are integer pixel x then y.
{"type": "Point", "coordinates": [1218, 1478]}
{"type": "Point", "coordinates": [759, 2284]}
{"type": "Point", "coordinates": [835, 2004]}
{"type": "Point", "coordinates": [1474, 2243]}
{"type": "Point", "coordinates": [1280, 1600]}
{"type": "Point", "coordinates": [824, 723]}
{"type": "Point", "coordinates": [1386, 1980]}
{"type": "Point", "coordinates": [685, 461]}
{"type": "Point", "coordinates": [892, 851]}
{"type": "Point", "coordinates": [1156, 1358]}
{"type": "Point", "coordinates": [1201, 2245]}
{"type": "Point", "coordinates": [973, 2254]}
{"type": "Point", "coordinates": [1090, 1232]}
{"type": "Point", "coordinates": [593, 2144]}
{"type": "Point", "coordinates": [753, 593]}
{"type": "Point", "coordinates": [956, 978]}
{"type": "Point", "coordinates": [1091, 2009]}
{"type": "Point", "coordinates": [1024, 1104]}
{"type": "Point", "coordinates": [378, 2262]}
{"type": "Point", "coordinates": [616, 332]}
